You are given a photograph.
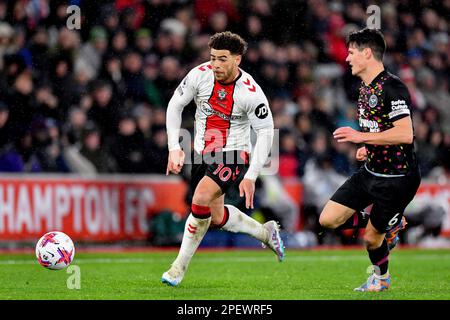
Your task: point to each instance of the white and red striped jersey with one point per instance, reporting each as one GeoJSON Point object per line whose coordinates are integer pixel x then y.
{"type": "Point", "coordinates": [224, 114]}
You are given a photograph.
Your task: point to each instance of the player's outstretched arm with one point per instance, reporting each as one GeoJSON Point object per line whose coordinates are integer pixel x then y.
{"type": "Point", "coordinates": [400, 133]}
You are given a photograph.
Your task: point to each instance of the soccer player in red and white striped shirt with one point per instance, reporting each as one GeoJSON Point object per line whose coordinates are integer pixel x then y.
{"type": "Point", "coordinates": [228, 101]}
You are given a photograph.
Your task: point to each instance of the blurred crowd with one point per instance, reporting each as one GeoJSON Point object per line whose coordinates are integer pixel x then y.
{"type": "Point", "coordinates": [94, 99]}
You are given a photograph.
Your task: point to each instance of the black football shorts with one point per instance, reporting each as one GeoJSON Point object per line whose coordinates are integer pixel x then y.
{"type": "Point", "coordinates": [389, 196]}
{"type": "Point", "coordinates": [227, 168]}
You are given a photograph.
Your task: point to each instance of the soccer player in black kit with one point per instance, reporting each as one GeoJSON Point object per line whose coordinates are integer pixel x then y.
{"type": "Point", "coordinates": [390, 176]}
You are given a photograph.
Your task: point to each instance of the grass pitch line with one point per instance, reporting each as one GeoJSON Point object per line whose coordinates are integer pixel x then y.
{"type": "Point", "coordinates": [221, 260]}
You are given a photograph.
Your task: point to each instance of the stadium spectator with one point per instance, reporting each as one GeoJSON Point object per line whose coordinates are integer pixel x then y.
{"type": "Point", "coordinates": [156, 150]}
{"type": "Point", "coordinates": [47, 146]}
{"type": "Point", "coordinates": [104, 108]}
{"type": "Point", "coordinates": [127, 147]}
{"type": "Point", "coordinates": [18, 155]}
{"type": "Point", "coordinates": [93, 150]}
{"type": "Point", "coordinates": [21, 102]}
{"type": "Point", "coordinates": [5, 130]}
{"type": "Point", "coordinates": [90, 54]}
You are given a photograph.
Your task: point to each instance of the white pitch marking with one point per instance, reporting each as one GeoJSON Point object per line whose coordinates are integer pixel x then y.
{"type": "Point", "coordinates": [220, 259]}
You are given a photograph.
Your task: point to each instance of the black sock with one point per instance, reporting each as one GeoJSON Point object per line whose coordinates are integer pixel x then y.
{"type": "Point", "coordinates": [357, 220]}
{"type": "Point", "coordinates": [380, 258]}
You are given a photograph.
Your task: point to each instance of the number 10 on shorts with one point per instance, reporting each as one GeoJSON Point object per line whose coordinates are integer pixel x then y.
{"type": "Point", "coordinates": [225, 173]}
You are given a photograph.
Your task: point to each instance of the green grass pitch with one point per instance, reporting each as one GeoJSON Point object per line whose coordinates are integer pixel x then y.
{"type": "Point", "coordinates": [229, 275]}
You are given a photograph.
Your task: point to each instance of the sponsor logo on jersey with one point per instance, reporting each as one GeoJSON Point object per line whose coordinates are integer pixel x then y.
{"type": "Point", "coordinates": [372, 125]}
{"type": "Point", "coordinates": [261, 111]}
{"type": "Point", "coordinates": [398, 112]}
{"type": "Point", "coordinates": [208, 110]}
{"type": "Point", "coordinates": [398, 107]}
{"type": "Point", "coordinates": [373, 100]}
{"type": "Point", "coordinates": [398, 104]}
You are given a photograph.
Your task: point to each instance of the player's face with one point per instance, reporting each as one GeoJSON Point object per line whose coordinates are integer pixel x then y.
{"type": "Point", "coordinates": [357, 59]}
{"type": "Point", "coordinates": [224, 65]}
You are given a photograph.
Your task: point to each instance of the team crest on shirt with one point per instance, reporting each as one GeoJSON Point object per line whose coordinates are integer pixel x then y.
{"type": "Point", "coordinates": [373, 100]}
{"type": "Point", "coordinates": [222, 93]}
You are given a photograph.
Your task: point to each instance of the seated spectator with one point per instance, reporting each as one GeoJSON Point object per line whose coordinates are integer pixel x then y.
{"type": "Point", "coordinates": [156, 151]}
{"type": "Point", "coordinates": [127, 147]}
{"type": "Point", "coordinates": [47, 146]}
{"type": "Point", "coordinates": [18, 156]}
{"type": "Point", "coordinates": [104, 108]}
{"type": "Point", "coordinates": [93, 150]}
{"type": "Point", "coordinates": [90, 55]}
{"type": "Point", "coordinates": [5, 130]}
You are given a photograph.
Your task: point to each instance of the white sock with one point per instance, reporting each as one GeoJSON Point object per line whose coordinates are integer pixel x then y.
{"type": "Point", "coordinates": [240, 222]}
{"type": "Point", "coordinates": [194, 231]}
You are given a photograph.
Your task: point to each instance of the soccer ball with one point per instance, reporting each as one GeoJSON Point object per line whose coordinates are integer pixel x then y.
{"type": "Point", "coordinates": [55, 250]}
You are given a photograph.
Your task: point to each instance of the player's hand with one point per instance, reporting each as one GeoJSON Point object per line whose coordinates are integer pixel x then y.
{"type": "Point", "coordinates": [175, 162]}
{"type": "Point", "coordinates": [247, 188]}
{"type": "Point", "coordinates": [348, 134]}
{"type": "Point", "coordinates": [361, 154]}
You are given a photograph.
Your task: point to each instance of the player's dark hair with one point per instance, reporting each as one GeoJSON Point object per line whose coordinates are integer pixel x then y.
{"type": "Point", "coordinates": [368, 38]}
{"type": "Point", "coordinates": [228, 41]}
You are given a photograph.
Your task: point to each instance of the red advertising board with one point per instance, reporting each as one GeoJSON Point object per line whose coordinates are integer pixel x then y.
{"type": "Point", "coordinates": [97, 209]}
{"type": "Point", "coordinates": [109, 208]}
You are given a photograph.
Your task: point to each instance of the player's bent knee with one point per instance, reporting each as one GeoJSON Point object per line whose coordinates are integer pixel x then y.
{"type": "Point", "coordinates": [206, 192]}
{"type": "Point", "coordinates": [372, 240]}
{"type": "Point", "coordinates": [326, 222]}
{"type": "Point", "coordinates": [202, 198]}
{"type": "Point", "coordinates": [371, 244]}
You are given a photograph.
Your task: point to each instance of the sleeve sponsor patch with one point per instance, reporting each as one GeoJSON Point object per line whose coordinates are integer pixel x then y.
{"type": "Point", "coordinates": [395, 113]}
{"type": "Point", "coordinates": [398, 107]}
{"type": "Point", "coordinates": [261, 111]}
{"type": "Point", "coordinates": [398, 104]}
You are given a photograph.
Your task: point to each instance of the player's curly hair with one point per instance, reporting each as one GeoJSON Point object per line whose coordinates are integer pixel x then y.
{"type": "Point", "coordinates": [369, 38]}
{"type": "Point", "coordinates": [228, 41]}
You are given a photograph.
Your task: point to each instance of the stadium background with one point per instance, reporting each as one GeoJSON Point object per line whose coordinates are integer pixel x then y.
{"type": "Point", "coordinates": [82, 113]}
